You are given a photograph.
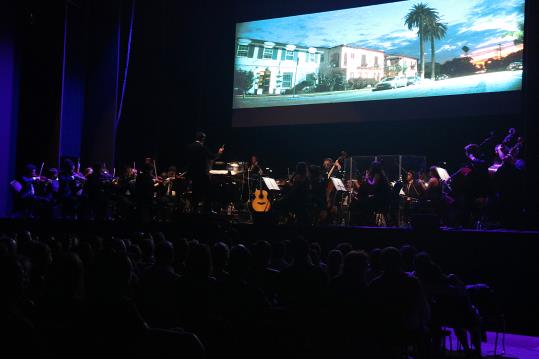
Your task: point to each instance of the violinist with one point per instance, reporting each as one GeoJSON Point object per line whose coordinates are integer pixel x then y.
{"type": "Point", "coordinates": [97, 190]}
{"type": "Point", "coordinates": [29, 193]}
{"type": "Point", "coordinates": [51, 187]}
{"type": "Point", "coordinates": [70, 190]}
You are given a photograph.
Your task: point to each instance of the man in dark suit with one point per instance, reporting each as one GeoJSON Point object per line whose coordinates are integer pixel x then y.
{"type": "Point", "coordinates": [198, 167]}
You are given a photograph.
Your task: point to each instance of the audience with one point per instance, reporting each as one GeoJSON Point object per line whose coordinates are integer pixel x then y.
{"type": "Point", "coordinates": [157, 296]}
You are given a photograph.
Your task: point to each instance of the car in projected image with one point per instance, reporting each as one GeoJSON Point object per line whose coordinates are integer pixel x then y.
{"type": "Point", "coordinates": [441, 77]}
{"type": "Point", "coordinates": [412, 80]}
{"type": "Point", "coordinates": [514, 66]}
{"type": "Point", "coordinates": [391, 83]}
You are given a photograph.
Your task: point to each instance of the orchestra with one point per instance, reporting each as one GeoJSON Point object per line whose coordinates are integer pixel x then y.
{"type": "Point", "coordinates": [311, 195]}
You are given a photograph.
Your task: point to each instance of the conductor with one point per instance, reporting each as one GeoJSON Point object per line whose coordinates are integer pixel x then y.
{"type": "Point", "coordinates": [198, 167]}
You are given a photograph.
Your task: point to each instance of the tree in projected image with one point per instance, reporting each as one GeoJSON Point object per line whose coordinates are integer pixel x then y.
{"type": "Point", "coordinates": [419, 17]}
{"type": "Point", "coordinates": [243, 81]}
{"type": "Point", "coordinates": [331, 79]}
{"type": "Point", "coordinates": [519, 34]}
{"type": "Point", "coordinates": [435, 30]}
{"type": "Point", "coordinates": [459, 66]}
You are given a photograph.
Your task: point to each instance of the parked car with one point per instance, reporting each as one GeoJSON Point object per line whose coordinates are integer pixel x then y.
{"type": "Point", "coordinates": [391, 83]}
{"type": "Point", "coordinates": [514, 66]}
{"type": "Point", "coordinates": [442, 77]}
{"type": "Point", "coordinates": [412, 80]}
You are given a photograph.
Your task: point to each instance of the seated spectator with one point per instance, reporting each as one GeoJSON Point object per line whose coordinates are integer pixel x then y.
{"type": "Point", "coordinates": [451, 306]}
{"type": "Point", "coordinates": [278, 256]}
{"type": "Point", "coordinates": [315, 252]}
{"type": "Point", "coordinates": [261, 275]}
{"type": "Point", "coordinates": [61, 312]}
{"type": "Point", "coordinates": [220, 255]}
{"type": "Point", "coordinates": [16, 330]}
{"type": "Point", "coordinates": [196, 290]}
{"type": "Point", "coordinates": [375, 264]}
{"type": "Point", "coordinates": [157, 288]}
{"type": "Point", "coordinates": [302, 284]}
{"type": "Point", "coordinates": [399, 309]}
{"type": "Point", "coordinates": [334, 264]}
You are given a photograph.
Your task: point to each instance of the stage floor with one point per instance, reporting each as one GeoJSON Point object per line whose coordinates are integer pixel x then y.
{"type": "Point", "coordinates": [516, 347]}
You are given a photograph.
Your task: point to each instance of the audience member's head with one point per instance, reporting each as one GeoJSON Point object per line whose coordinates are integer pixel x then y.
{"type": "Point", "coordinates": [198, 263]}
{"type": "Point", "coordinates": [164, 253]}
{"type": "Point", "coordinates": [261, 254]}
{"type": "Point", "coordinates": [220, 255]}
{"type": "Point", "coordinates": [147, 247]}
{"type": "Point", "coordinates": [11, 280]}
{"type": "Point", "coordinates": [355, 264]}
{"type": "Point", "coordinates": [277, 251]}
{"type": "Point", "coordinates": [375, 260]}
{"type": "Point", "coordinates": [8, 246]}
{"type": "Point", "coordinates": [240, 261]}
{"type": "Point", "coordinates": [113, 274]}
{"type": "Point", "coordinates": [391, 260]}
{"type": "Point", "coordinates": [315, 252]}
{"type": "Point", "coordinates": [408, 253]}
{"type": "Point", "coordinates": [65, 279]}
{"type": "Point", "coordinates": [334, 263]}
{"type": "Point", "coordinates": [344, 247]}
{"type": "Point", "coordinates": [135, 253]}
{"type": "Point", "coordinates": [300, 251]}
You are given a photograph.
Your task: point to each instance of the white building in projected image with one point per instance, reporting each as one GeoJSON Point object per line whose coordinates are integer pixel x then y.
{"type": "Point", "coordinates": [277, 67]}
{"type": "Point", "coordinates": [357, 62]}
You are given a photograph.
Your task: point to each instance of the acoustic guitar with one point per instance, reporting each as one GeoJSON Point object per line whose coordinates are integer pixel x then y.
{"type": "Point", "coordinates": [260, 202]}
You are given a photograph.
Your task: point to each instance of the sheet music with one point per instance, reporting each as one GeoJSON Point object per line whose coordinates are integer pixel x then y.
{"type": "Point", "coordinates": [442, 172]}
{"type": "Point", "coordinates": [271, 184]}
{"type": "Point", "coordinates": [339, 186]}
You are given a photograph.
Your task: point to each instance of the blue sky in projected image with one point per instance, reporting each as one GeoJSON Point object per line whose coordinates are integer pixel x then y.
{"type": "Point", "coordinates": [474, 23]}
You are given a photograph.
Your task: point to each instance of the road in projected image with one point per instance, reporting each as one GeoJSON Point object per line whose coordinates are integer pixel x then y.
{"type": "Point", "coordinates": [488, 82]}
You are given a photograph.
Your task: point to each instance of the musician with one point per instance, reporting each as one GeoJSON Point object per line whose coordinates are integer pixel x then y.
{"type": "Point", "coordinates": [71, 184]}
{"type": "Point", "coordinates": [413, 188]}
{"type": "Point", "coordinates": [379, 184]}
{"type": "Point", "coordinates": [328, 164]}
{"type": "Point", "coordinates": [254, 167]}
{"type": "Point", "coordinates": [198, 167]}
{"type": "Point", "coordinates": [433, 187]}
{"type": "Point", "coordinates": [508, 182]}
{"type": "Point", "coordinates": [97, 190]}
{"type": "Point", "coordinates": [144, 192]}
{"type": "Point", "coordinates": [29, 198]}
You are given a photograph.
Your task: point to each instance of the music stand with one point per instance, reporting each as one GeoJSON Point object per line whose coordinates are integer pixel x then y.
{"type": "Point", "coordinates": [442, 172]}
{"type": "Point", "coordinates": [339, 186]}
{"type": "Point", "coordinates": [271, 184]}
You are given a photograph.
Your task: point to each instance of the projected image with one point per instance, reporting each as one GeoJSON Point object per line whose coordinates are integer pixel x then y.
{"type": "Point", "coordinates": [389, 51]}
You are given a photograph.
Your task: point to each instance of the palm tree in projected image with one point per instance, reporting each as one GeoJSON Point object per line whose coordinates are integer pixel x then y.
{"type": "Point", "coordinates": [465, 49]}
{"type": "Point", "coordinates": [419, 16]}
{"type": "Point", "coordinates": [435, 30]}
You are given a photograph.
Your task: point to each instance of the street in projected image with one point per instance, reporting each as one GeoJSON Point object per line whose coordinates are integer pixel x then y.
{"type": "Point", "coordinates": [398, 50]}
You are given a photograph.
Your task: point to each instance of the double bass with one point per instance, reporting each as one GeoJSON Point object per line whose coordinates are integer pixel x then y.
{"type": "Point", "coordinates": [331, 194]}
